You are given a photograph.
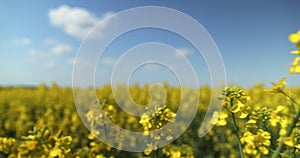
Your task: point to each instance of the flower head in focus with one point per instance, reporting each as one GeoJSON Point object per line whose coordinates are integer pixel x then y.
{"type": "Point", "coordinates": [278, 87]}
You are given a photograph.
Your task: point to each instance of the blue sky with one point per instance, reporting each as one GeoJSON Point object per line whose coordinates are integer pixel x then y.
{"type": "Point", "coordinates": [39, 46]}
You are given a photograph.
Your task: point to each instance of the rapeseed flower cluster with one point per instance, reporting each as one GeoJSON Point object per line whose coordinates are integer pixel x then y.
{"type": "Point", "coordinates": [174, 151]}
{"type": "Point", "coordinates": [234, 101]}
{"type": "Point", "coordinates": [257, 143]}
{"type": "Point", "coordinates": [155, 118]}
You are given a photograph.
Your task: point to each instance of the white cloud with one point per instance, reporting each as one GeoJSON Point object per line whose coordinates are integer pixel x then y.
{"type": "Point", "coordinates": [81, 63]}
{"type": "Point", "coordinates": [36, 56]}
{"type": "Point", "coordinates": [33, 52]}
{"type": "Point", "coordinates": [62, 49]}
{"type": "Point", "coordinates": [48, 59]}
{"type": "Point", "coordinates": [76, 22]}
{"type": "Point", "coordinates": [109, 61]}
{"type": "Point", "coordinates": [51, 65]}
{"type": "Point", "coordinates": [153, 67]}
{"type": "Point", "coordinates": [71, 61]}
{"type": "Point", "coordinates": [37, 53]}
{"type": "Point", "coordinates": [57, 50]}
{"type": "Point", "coordinates": [182, 52]}
{"type": "Point", "coordinates": [49, 41]}
{"type": "Point", "coordinates": [42, 59]}
{"type": "Point", "coordinates": [21, 41]}
{"type": "Point", "coordinates": [47, 67]}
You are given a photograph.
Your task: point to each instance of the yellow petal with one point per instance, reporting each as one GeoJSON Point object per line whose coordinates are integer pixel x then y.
{"type": "Point", "coordinates": [222, 122]}
{"type": "Point", "coordinates": [176, 154]}
{"type": "Point", "coordinates": [264, 150]}
{"type": "Point", "coordinates": [267, 142]}
{"type": "Point", "coordinates": [282, 81]}
{"type": "Point", "coordinates": [294, 38]}
{"type": "Point", "coordinates": [243, 115]}
{"type": "Point", "coordinates": [273, 122]}
{"type": "Point", "coordinates": [289, 141]}
{"type": "Point", "coordinates": [31, 145]}
{"type": "Point", "coordinates": [55, 152]}
{"type": "Point", "coordinates": [282, 132]}
{"type": "Point", "coordinates": [280, 108]}
{"type": "Point", "coordinates": [100, 156]}
{"type": "Point", "coordinates": [91, 136]}
{"type": "Point", "coordinates": [147, 152]}
{"type": "Point", "coordinates": [297, 69]}
{"type": "Point", "coordinates": [223, 115]}
{"type": "Point", "coordinates": [296, 61]}
{"type": "Point", "coordinates": [295, 52]}
{"type": "Point", "coordinates": [292, 69]}
{"type": "Point", "coordinates": [236, 107]}
{"type": "Point", "coordinates": [251, 121]}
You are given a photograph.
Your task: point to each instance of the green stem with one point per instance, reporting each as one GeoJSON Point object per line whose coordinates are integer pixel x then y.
{"type": "Point", "coordinates": [236, 131]}
{"type": "Point", "coordinates": [289, 97]}
{"type": "Point", "coordinates": [267, 129]}
{"type": "Point", "coordinates": [155, 153]}
{"type": "Point", "coordinates": [282, 154]}
{"type": "Point", "coordinates": [289, 128]}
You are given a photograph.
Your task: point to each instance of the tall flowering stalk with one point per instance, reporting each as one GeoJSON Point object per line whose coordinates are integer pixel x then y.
{"type": "Point", "coordinates": [234, 103]}
{"type": "Point", "coordinates": [279, 88]}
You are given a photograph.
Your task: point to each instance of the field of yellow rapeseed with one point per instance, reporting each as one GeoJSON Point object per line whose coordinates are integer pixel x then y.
{"type": "Point", "coordinates": [43, 122]}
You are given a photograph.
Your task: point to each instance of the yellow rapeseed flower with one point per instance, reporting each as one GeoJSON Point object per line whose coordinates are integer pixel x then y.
{"type": "Point", "coordinates": [263, 138]}
{"type": "Point", "coordinates": [56, 152]}
{"type": "Point", "coordinates": [219, 118]}
{"type": "Point", "coordinates": [295, 67]}
{"type": "Point", "coordinates": [256, 143]}
{"type": "Point", "coordinates": [278, 87]}
{"type": "Point", "coordinates": [263, 150]}
{"type": "Point", "coordinates": [100, 156]}
{"type": "Point", "coordinates": [176, 154]}
{"type": "Point", "coordinates": [276, 118]}
{"type": "Point", "coordinates": [289, 141]}
{"type": "Point", "coordinates": [295, 37]}
{"type": "Point", "coordinates": [31, 145]}
{"type": "Point", "coordinates": [222, 119]}
{"type": "Point", "coordinates": [148, 150]}
{"type": "Point", "coordinates": [240, 109]}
